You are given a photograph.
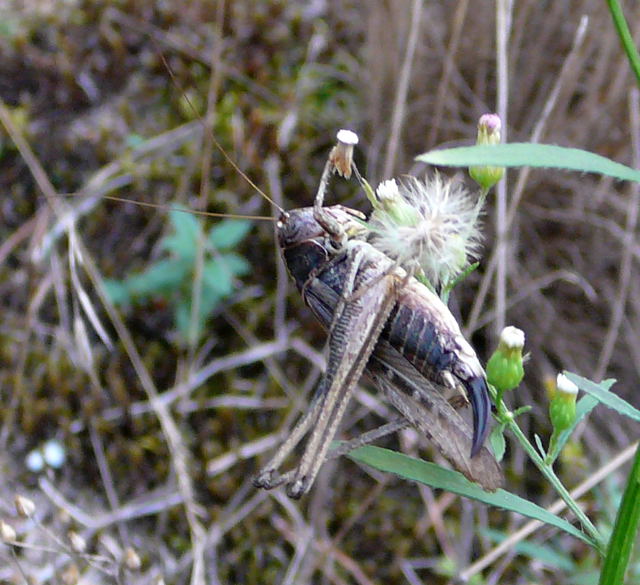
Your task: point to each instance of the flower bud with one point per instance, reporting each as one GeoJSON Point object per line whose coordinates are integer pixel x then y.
{"type": "Point", "coordinates": [341, 156]}
{"type": "Point", "coordinates": [389, 200]}
{"type": "Point", "coordinates": [489, 127]}
{"type": "Point", "coordinates": [132, 559]}
{"type": "Point", "coordinates": [24, 506]}
{"type": "Point", "coordinates": [562, 408]}
{"type": "Point", "coordinates": [505, 370]}
{"type": "Point", "coordinates": [78, 543]}
{"type": "Point", "coordinates": [7, 532]}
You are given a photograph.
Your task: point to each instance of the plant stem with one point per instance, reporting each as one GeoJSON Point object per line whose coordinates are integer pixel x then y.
{"type": "Point", "coordinates": [624, 530]}
{"type": "Point", "coordinates": [622, 28]}
{"type": "Point", "coordinates": [506, 416]}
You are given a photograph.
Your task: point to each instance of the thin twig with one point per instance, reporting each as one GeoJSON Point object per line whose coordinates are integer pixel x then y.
{"type": "Point", "coordinates": [232, 517]}
{"type": "Point", "coordinates": [569, 65]}
{"type": "Point", "coordinates": [107, 479]}
{"type": "Point", "coordinates": [449, 64]}
{"type": "Point", "coordinates": [145, 505]}
{"type": "Point", "coordinates": [503, 30]}
{"type": "Point", "coordinates": [624, 276]}
{"type": "Point", "coordinates": [194, 330]}
{"type": "Point", "coordinates": [400, 103]}
{"type": "Point", "coordinates": [246, 451]}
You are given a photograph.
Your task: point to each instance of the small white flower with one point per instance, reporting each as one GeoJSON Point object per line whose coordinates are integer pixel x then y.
{"type": "Point", "coordinates": [388, 190]}
{"type": "Point", "coordinates": [432, 226]}
{"type": "Point", "coordinates": [566, 386]}
{"type": "Point", "coordinates": [512, 337]}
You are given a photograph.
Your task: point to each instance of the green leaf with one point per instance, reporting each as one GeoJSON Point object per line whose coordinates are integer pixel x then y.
{"type": "Point", "coordinates": [182, 242]}
{"type": "Point", "coordinates": [538, 441]}
{"type": "Point", "coordinates": [162, 278]}
{"type": "Point", "coordinates": [228, 233]}
{"type": "Point", "coordinates": [117, 291]}
{"type": "Point", "coordinates": [182, 313]}
{"type": "Point", "coordinates": [496, 439]}
{"type": "Point", "coordinates": [449, 286]}
{"type": "Point", "coordinates": [522, 410]}
{"type": "Point", "coordinates": [437, 477]}
{"type": "Point", "coordinates": [209, 300]}
{"type": "Point", "coordinates": [602, 393]}
{"type": "Point", "coordinates": [182, 317]}
{"type": "Point", "coordinates": [530, 155]}
{"type": "Point", "coordinates": [235, 263]}
{"type": "Point", "coordinates": [626, 38]}
{"type": "Point", "coordinates": [545, 554]}
{"type": "Point", "coordinates": [217, 276]}
{"type": "Point", "coordinates": [585, 577]}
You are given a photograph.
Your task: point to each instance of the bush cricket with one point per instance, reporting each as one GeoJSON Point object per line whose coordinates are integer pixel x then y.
{"type": "Point", "coordinates": [384, 322]}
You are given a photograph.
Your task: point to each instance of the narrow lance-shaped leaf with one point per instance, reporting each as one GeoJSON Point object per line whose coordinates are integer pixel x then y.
{"type": "Point", "coordinates": [438, 477]}
{"type": "Point", "coordinates": [602, 393]}
{"type": "Point", "coordinates": [530, 155]}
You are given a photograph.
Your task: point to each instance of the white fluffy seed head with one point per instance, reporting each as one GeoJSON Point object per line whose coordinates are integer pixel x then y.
{"type": "Point", "coordinates": [432, 225]}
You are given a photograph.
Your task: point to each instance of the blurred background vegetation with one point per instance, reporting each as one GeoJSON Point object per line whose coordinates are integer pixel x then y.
{"type": "Point", "coordinates": [163, 426]}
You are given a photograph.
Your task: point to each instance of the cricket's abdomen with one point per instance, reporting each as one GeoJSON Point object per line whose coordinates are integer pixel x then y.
{"type": "Point", "coordinates": [423, 330]}
{"type": "Point", "coordinates": [415, 336]}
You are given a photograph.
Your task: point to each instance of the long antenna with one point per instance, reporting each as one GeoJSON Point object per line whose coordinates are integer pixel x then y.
{"type": "Point", "coordinates": [176, 208]}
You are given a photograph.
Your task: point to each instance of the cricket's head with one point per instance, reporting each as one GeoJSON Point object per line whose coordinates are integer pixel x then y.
{"type": "Point", "coordinates": [297, 226]}
{"type": "Point", "coordinates": [300, 238]}
{"type": "Point", "coordinates": [300, 225]}
{"type": "Point", "coordinates": [305, 244]}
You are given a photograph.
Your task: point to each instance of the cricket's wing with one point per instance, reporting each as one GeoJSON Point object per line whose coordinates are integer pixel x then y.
{"type": "Point", "coordinates": [422, 403]}
{"type": "Point", "coordinates": [353, 335]}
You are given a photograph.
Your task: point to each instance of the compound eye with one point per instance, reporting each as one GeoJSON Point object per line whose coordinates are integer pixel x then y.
{"type": "Point", "coordinates": [335, 246]}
